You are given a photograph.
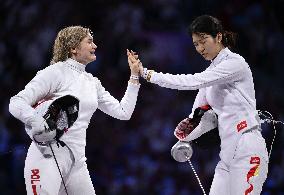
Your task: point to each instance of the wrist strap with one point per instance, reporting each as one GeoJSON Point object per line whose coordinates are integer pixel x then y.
{"type": "Point", "coordinates": [144, 75]}
{"type": "Point", "coordinates": [147, 74]}
{"type": "Point", "coordinates": [134, 77]}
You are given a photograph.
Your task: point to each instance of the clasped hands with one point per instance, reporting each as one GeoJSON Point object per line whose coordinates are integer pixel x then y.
{"type": "Point", "coordinates": [135, 64]}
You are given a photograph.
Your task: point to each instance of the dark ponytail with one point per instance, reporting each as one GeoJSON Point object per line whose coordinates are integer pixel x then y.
{"type": "Point", "coordinates": [229, 39]}
{"type": "Point", "coordinates": [210, 25]}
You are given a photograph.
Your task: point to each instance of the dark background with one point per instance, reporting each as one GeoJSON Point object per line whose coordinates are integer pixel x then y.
{"type": "Point", "coordinates": [133, 157]}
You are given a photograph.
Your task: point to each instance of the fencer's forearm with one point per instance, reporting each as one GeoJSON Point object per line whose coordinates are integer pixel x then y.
{"type": "Point", "coordinates": [179, 81]}
{"type": "Point", "coordinates": [21, 110]}
{"type": "Point", "coordinates": [121, 110]}
{"type": "Point", "coordinates": [225, 72]}
{"type": "Point", "coordinates": [129, 100]}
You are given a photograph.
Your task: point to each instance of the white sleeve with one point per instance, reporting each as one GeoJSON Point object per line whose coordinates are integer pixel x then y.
{"type": "Point", "coordinates": [200, 100]}
{"type": "Point", "coordinates": [121, 110]}
{"type": "Point", "coordinates": [42, 85]}
{"type": "Point", "coordinates": [225, 72]}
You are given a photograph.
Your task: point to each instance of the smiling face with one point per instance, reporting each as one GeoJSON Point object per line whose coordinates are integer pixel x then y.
{"type": "Point", "coordinates": [206, 45]}
{"type": "Point", "coordinates": [85, 52]}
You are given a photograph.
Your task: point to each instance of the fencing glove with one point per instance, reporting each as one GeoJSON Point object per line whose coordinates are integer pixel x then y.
{"type": "Point", "coordinates": [202, 129]}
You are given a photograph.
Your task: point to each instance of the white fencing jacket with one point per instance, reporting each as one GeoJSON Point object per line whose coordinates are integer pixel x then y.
{"type": "Point", "coordinates": [227, 86]}
{"type": "Point", "coordinates": [70, 77]}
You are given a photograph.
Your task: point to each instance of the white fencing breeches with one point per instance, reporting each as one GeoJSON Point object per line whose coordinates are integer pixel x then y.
{"type": "Point", "coordinates": [42, 176]}
{"type": "Point", "coordinates": [248, 170]}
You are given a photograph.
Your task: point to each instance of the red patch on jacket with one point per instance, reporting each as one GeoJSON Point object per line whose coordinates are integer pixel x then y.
{"type": "Point", "coordinates": [242, 125]}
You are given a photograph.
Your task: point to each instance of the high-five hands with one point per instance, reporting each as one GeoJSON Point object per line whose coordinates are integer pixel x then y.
{"type": "Point", "coordinates": [137, 68]}
{"type": "Point", "coordinates": [134, 60]}
{"type": "Point", "coordinates": [134, 63]}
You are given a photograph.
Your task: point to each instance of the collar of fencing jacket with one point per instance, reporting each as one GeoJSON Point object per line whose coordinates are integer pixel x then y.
{"type": "Point", "coordinates": [77, 66]}
{"type": "Point", "coordinates": [221, 55]}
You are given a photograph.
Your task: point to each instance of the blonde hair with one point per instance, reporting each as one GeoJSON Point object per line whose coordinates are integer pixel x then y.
{"type": "Point", "coordinates": [68, 38]}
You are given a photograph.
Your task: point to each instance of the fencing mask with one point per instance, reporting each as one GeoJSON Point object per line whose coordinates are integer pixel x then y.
{"type": "Point", "coordinates": [60, 114]}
